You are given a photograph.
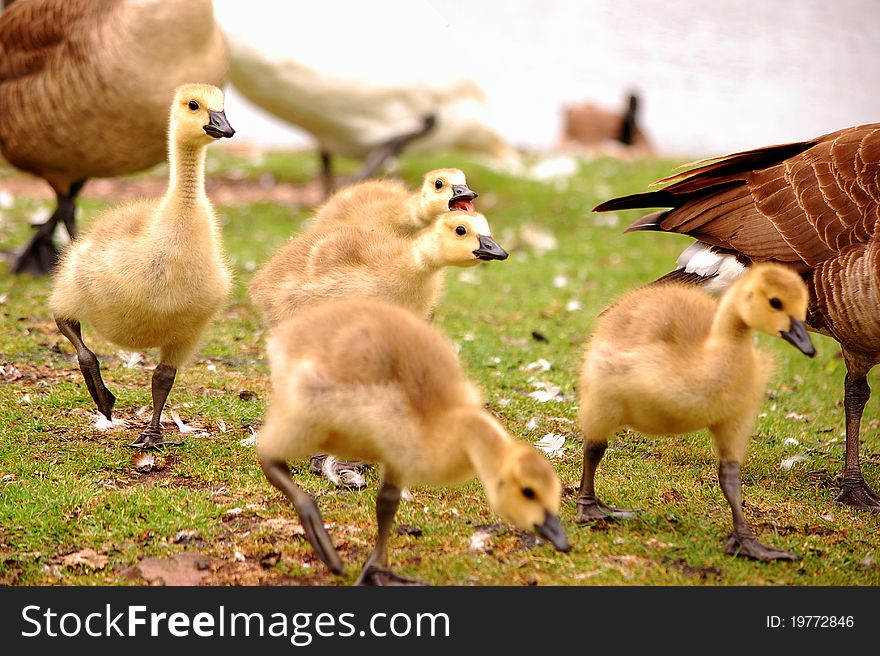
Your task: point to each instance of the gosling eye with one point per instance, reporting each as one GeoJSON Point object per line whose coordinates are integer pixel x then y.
{"type": "Point", "coordinates": [528, 493]}
{"type": "Point", "coordinates": [438, 184]}
{"type": "Point", "coordinates": [193, 105]}
{"type": "Point", "coordinates": [775, 303]}
{"type": "Point", "coordinates": [461, 231]}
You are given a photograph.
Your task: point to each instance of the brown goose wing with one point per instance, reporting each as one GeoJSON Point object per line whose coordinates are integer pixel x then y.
{"type": "Point", "coordinates": [34, 33]}
{"type": "Point", "coordinates": [798, 203]}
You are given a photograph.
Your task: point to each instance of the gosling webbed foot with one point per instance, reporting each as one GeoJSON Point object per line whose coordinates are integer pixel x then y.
{"type": "Point", "coordinates": [372, 575]}
{"type": "Point", "coordinates": [749, 547]}
{"type": "Point", "coordinates": [151, 438]}
{"type": "Point", "coordinates": [590, 510]}
{"type": "Point", "coordinates": [317, 535]}
{"type": "Point", "coordinates": [856, 493]}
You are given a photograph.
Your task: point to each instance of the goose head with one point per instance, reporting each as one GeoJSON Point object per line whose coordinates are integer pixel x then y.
{"type": "Point", "coordinates": [445, 189]}
{"type": "Point", "coordinates": [197, 114]}
{"type": "Point", "coordinates": [462, 239]}
{"type": "Point", "coordinates": [527, 493]}
{"type": "Point", "coordinates": [773, 299]}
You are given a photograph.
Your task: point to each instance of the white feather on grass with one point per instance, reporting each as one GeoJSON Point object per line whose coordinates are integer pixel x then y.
{"type": "Point", "coordinates": [250, 441]}
{"type": "Point", "coordinates": [342, 476]}
{"type": "Point", "coordinates": [183, 428]}
{"type": "Point", "coordinates": [551, 444]}
{"type": "Point", "coordinates": [103, 424]}
{"type": "Point", "coordinates": [788, 463]}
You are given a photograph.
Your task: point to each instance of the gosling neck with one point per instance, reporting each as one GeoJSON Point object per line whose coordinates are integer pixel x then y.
{"type": "Point", "coordinates": [486, 444]}
{"type": "Point", "coordinates": [186, 185]}
{"type": "Point", "coordinates": [424, 252]}
{"type": "Point", "coordinates": [728, 327]}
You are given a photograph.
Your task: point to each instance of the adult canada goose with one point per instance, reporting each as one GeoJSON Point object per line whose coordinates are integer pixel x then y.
{"type": "Point", "coordinates": [354, 260]}
{"type": "Point", "coordinates": [670, 359]}
{"type": "Point", "coordinates": [811, 205]}
{"type": "Point", "coordinates": [357, 105]}
{"type": "Point", "coordinates": [365, 379]}
{"type": "Point", "coordinates": [390, 204]}
{"type": "Point", "coordinates": [152, 273]}
{"type": "Point", "coordinates": [589, 125]}
{"type": "Point", "coordinates": [85, 87]}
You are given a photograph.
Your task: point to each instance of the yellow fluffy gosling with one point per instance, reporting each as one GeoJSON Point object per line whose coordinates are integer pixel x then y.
{"type": "Point", "coordinates": [670, 359]}
{"type": "Point", "coordinates": [389, 203]}
{"type": "Point", "coordinates": [353, 260]}
{"type": "Point", "coordinates": [152, 273]}
{"type": "Point", "coordinates": [365, 379]}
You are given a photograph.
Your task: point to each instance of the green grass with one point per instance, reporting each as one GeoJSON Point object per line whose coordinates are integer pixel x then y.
{"type": "Point", "coordinates": [67, 486]}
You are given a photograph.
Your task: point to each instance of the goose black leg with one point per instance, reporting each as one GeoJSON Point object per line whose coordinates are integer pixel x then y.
{"type": "Point", "coordinates": [151, 437]}
{"type": "Point", "coordinates": [326, 172]}
{"type": "Point", "coordinates": [40, 255]}
{"type": "Point", "coordinates": [376, 570]}
{"type": "Point", "coordinates": [379, 155]}
{"type": "Point", "coordinates": [853, 489]}
{"type": "Point", "coordinates": [742, 542]}
{"type": "Point", "coordinates": [89, 365]}
{"type": "Point", "coordinates": [589, 506]}
{"type": "Point", "coordinates": [279, 475]}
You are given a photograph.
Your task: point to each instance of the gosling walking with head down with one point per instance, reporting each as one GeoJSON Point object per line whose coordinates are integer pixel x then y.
{"type": "Point", "coordinates": [152, 273]}
{"type": "Point", "coordinates": [670, 359]}
{"type": "Point", "coordinates": [367, 380]}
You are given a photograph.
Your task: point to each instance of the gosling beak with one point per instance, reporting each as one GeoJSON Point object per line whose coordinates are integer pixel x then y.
{"type": "Point", "coordinates": [462, 198]}
{"type": "Point", "coordinates": [799, 336]}
{"type": "Point", "coordinates": [552, 531]}
{"type": "Point", "coordinates": [489, 249]}
{"type": "Point", "coordinates": [218, 126]}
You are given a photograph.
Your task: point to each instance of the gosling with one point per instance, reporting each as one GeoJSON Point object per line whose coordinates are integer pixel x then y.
{"type": "Point", "coordinates": [390, 204]}
{"type": "Point", "coordinates": [633, 375]}
{"type": "Point", "coordinates": [152, 273]}
{"type": "Point", "coordinates": [354, 260]}
{"type": "Point", "coordinates": [365, 379]}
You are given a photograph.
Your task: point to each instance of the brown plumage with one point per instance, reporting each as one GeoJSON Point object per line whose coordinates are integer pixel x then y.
{"type": "Point", "coordinates": [589, 125]}
{"type": "Point", "coordinates": [813, 206]}
{"type": "Point", "coordinates": [365, 379]}
{"type": "Point", "coordinates": [85, 87]}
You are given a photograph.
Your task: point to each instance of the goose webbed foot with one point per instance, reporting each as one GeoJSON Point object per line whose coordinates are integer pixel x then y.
{"type": "Point", "coordinates": [152, 438]}
{"type": "Point", "coordinates": [39, 256]}
{"type": "Point", "coordinates": [373, 575]}
{"type": "Point", "coordinates": [592, 509]}
{"type": "Point", "coordinates": [856, 493]}
{"type": "Point", "coordinates": [749, 547]}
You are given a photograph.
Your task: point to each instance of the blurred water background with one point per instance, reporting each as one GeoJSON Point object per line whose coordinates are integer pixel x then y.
{"type": "Point", "coordinates": [714, 77]}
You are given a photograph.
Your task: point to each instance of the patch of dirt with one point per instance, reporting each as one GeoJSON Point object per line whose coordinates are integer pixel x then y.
{"type": "Point", "coordinates": [222, 190]}
{"type": "Point", "coordinates": [180, 569]}
{"type": "Point", "coordinates": [703, 573]}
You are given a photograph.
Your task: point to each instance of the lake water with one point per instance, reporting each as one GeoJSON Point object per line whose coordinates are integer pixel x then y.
{"type": "Point", "coordinates": [714, 76]}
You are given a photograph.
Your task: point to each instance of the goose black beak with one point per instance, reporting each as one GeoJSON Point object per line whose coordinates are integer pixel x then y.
{"type": "Point", "coordinates": [489, 249]}
{"type": "Point", "coordinates": [218, 126]}
{"type": "Point", "coordinates": [462, 198]}
{"type": "Point", "coordinates": [552, 531]}
{"type": "Point", "coordinates": [799, 336]}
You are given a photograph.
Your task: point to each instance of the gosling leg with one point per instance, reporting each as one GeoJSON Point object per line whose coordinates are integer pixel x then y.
{"type": "Point", "coordinates": [89, 365]}
{"type": "Point", "coordinates": [40, 254]}
{"type": "Point", "coordinates": [590, 507]}
{"type": "Point", "coordinates": [279, 475]}
{"type": "Point", "coordinates": [151, 437]}
{"type": "Point", "coordinates": [742, 542]}
{"type": "Point", "coordinates": [853, 489]}
{"type": "Point", "coordinates": [376, 571]}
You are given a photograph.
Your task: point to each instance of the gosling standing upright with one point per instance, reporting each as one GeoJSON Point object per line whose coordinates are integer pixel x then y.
{"type": "Point", "coordinates": [152, 273]}
{"type": "Point", "coordinates": [365, 379]}
{"type": "Point", "coordinates": [670, 359]}
{"type": "Point", "coordinates": [811, 205]}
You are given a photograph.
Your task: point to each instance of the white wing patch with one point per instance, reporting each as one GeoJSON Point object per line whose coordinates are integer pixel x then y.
{"type": "Point", "coordinates": [723, 268]}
